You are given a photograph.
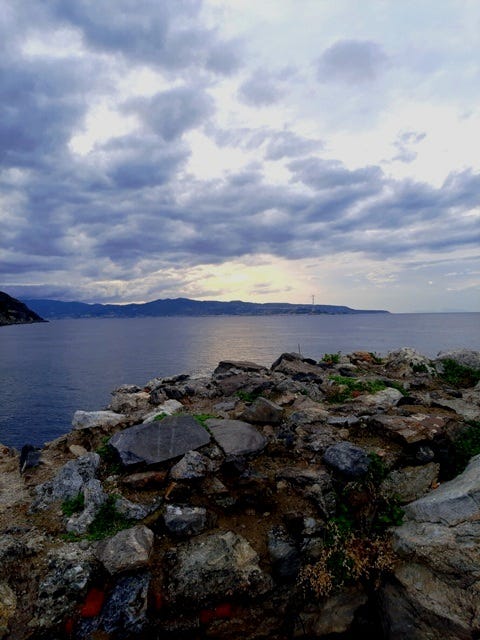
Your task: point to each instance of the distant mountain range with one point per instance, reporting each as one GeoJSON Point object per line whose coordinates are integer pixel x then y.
{"type": "Point", "coordinates": [183, 307]}
{"type": "Point", "coordinates": [12, 311]}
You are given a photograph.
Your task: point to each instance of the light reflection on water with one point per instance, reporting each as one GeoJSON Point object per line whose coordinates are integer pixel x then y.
{"type": "Point", "coordinates": [47, 371]}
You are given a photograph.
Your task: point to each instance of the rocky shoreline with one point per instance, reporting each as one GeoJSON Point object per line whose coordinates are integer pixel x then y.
{"type": "Point", "coordinates": [311, 499]}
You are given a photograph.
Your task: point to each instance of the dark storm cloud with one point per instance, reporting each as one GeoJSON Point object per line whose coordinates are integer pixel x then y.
{"type": "Point", "coordinates": [40, 103]}
{"type": "Point", "coordinates": [351, 61]}
{"type": "Point", "coordinates": [171, 113]}
{"type": "Point", "coordinates": [166, 34]}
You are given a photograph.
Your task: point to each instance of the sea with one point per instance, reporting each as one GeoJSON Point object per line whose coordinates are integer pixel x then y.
{"type": "Point", "coordinates": [48, 371]}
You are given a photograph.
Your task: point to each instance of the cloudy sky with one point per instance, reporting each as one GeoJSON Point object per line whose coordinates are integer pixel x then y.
{"type": "Point", "coordinates": [264, 150]}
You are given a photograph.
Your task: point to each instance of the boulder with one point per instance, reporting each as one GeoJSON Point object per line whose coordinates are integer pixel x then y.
{"type": "Point", "coordinates": [263, 411]}
{"type": "Point", "coordinates": [159, 441]}
{"type": "Point", "coordinates": [409, 429]}
{"type": "Point", "coordinates": [94, 497]}
{"type": "Point", "coordinates": [182, 520]}
{"type": "Point", "coordinates": [127, 550]}
{"type": "Point", "coordinates": [128, 403]}
{"type": "Point", "coordinates": [235, 366]}
{"type": "Point", "coordinates": [333, 616]}
{"type": "Point", "coordinates": [410, 483]}
{"type": "Point", "coordinates": [68, 483]}
{"type": "Point", "coordinates": [284, 555]}
{"type": "Point", "coordinates": [407, 362]}
{"type": "Point", "coordinates": [347, 459]}
{"type": "Point", "coordinates": [124, 613]}
{"type": "Point", "coordinates": [212, 567]}
{"type": "Point", "coordinates": [8, 605]}
{"type": "Point", "coordinates": [383, 399]}
{"type": "Point", "coordinates": [298, 368]}
{"type": "Point", "coordinates": [236, 438]}
{"type": "Point", "coordinates": [464, 357]}
{"type": "Point", "coordinates": [70, 570]}
{"type": "Point", "coordinates": [169, 407]}
{"type": "Point", "coordinates": [193, 466]}
{"type": "Point", "coordinates": [88, 419]}
{"type": "Point", "coordinates": [436, 590]}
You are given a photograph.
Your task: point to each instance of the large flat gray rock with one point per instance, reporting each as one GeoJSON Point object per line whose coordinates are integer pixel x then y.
{"type": "Point", "coordinates": [159, 441]}
{"type": "Point", "coordinates": [235, 437]}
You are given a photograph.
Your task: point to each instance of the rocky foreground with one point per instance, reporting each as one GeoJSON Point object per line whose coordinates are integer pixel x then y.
{"type": "Point", "coordinates": [305, 500]}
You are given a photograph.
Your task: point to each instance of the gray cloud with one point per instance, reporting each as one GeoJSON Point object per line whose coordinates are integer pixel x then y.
{"type": "Point", "coordinates": [171, 113]}
{"type": "Point", "coordinates": [351, 61]}
{"type": "Point", "coordinates": [261, 89]}
{"type": "Point", "coordinates": [167, 34]}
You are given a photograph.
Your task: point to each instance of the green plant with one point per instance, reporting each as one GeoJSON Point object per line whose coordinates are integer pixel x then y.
{"type": "Point", "coordinates": [346, 388]}
{"type": "Point", "coordinates": [202, 418]}
{"type": "Point", "coordinates": [160, 417]}
{"type": "Point", "coordinates": [377, 471]}
{"type": "Point", "coordinates": [375, 358]}
{"type": "Point", "coordinates": [331, 358]}
{"type": "Point", "coordinates": [109, 457]}
{"type": "Point", "coordinates": [466, 445]}
{"type": "Point", "coordinates": [73, 505]}
{"type": "Point", "coordinates": [458, 375]}
{"type": "Point", "coordinates": [108, 521]}
{"type": "Point", "coordinates": [420, 367]}
{"type": "Point", "coordinates": [389, 514]}
{"type": "Point", "coordinates": [247, 396]}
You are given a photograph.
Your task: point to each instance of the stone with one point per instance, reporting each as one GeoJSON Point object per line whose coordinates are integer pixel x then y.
{"type": "Point", "coordinates": [435, 591]}
{"type": "Point", "coordinates": [350, 461]}
{"type": "Point", "coordinates": [214, 567]}
{"type": "Point", "coordinates": [159, 441]}
{"type": "Point", "coordinates": [8, 606]}
{"type": "Point", "coordinates": [70, 570]}
{"type": "Point", "coordinates": [467, 407]}
{"type": "Point", "coordinates": [127, 550]}
{"type": "Point", "coordinates": [131, 510]}
{"type": "Point", "coordinates": [464, 357]}
{"type": "Point", "coordinates": [130, 403]}
{"type": "Point", "coordinates": [124, 613]}
{"type": "Point", "coordinates": [193, 466]}
{"type": "Point", "coordinates": [406, 362]}
{"type": "Point", "coordinates": [236, 438]}
{"type": "Point", "coordinates": [344, 421]}
{"type": "Point", "coordinates": [94, 497]}
{"type": "Point", "coordinates": [185, 521]}
{"type": "Point", "coordinates": [284, 555]}
{"type": "Point", "coordinates": [88, 419]}
{"type": "Point", "coordinates": [410, 483]}
{"type": "Point", "coordinates": [333, 616]}
{"type": "Point", "coordinates": [409, 429]}
{"type": "Point", "coordinates": [383, 399]}
{"type": "Point", "coordinates": [145, 480]}
{"type": "Point", "coordinates": [169, 407]}
{"type": "Point", "coordinates": [226, 366]}
{"type": "Point", "coordinates": [299, 368]}
{"type": "Point", "coordinates": [263, 411]}
{"type": "Point", "coordinates": [68, 482]}
{"type": "Point", "coordinates": [77, 450]}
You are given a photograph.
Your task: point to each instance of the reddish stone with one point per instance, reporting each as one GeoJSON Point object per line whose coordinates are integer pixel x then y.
{"type": "Point", "coordinates": [93, 603]}
{"type": "Point", "coordinates": [69, 626]}
{"type": "Point", "coordinates": [223, 610]}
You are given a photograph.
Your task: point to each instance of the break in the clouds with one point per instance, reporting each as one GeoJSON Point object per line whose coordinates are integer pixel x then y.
{"type": "Point", "coordinates": [236, 150]}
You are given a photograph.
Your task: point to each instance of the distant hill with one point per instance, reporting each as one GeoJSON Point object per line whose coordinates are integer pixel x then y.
{"type": "Point", "coordinates": [12, 311]}
{"type": "Point", "coordinates": [183, 307]}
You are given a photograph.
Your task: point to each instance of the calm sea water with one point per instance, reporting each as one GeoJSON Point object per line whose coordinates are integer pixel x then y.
{"type": "Point", "coordinates": [48, 371]}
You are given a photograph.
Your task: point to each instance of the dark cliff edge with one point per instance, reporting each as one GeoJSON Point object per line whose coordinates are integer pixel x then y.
{"type": "Point", "coordinates": [13, 311]}
{"type": "Point", "coordinates": [183, 307]}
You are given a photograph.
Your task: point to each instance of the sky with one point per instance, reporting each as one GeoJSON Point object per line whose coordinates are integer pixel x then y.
{"type": "Point", "coordinates": [270, 151]}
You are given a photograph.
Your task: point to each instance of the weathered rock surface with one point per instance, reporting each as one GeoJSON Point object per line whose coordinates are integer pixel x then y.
{"type": "Point", "coordinates": [437, 588]}
{"type": "Point", "coordinates": [410, 429]}
{"type": "Point", "coordinates": [88, 419]}
{"type": "Point", "coordinates": [159, 441]}
{"type": "Point", "coordinates": [263, 411]}
{"type": "Point", "coordinates": [347, 459]}
{"type": "Point", "coordinates": [8, 604]}
{"type": "Point", "coordinates": [223, 563]}
{"type": "Point", "coordinates": [411, 483]}
{"type": "Point", "coordinates": [193, 466]}
{"type": "Point", "coordinates": [235, 437]}
{"type": "Point", "coordinates": [128, 550]}
{"type": "Point", "coordinates": [184, 521]}
{"type": "Point", "coordinates": [68, 483]}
